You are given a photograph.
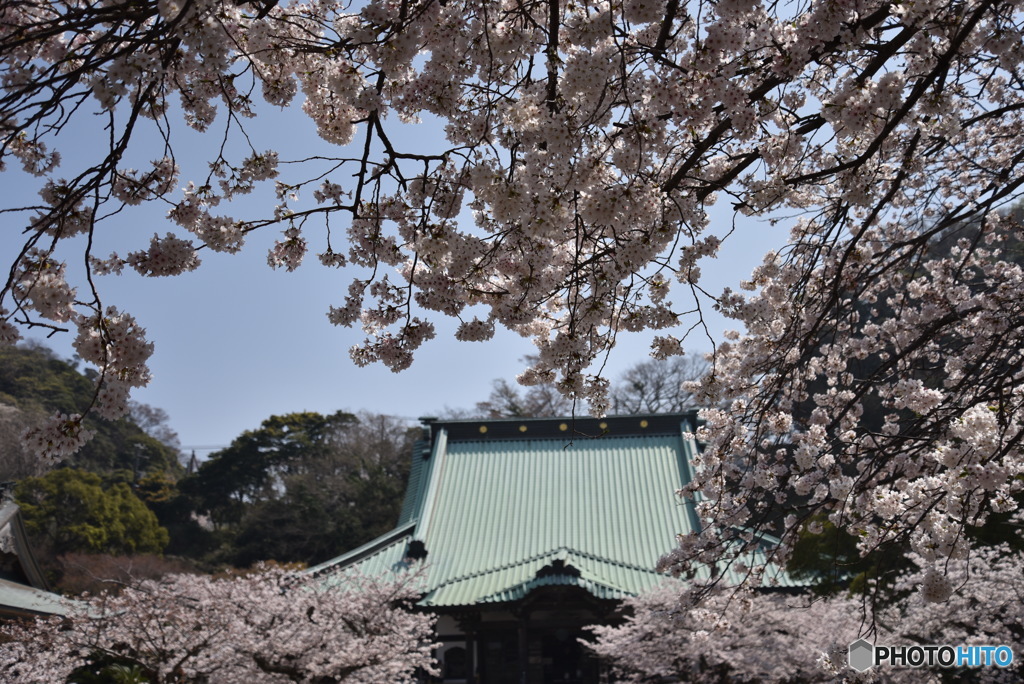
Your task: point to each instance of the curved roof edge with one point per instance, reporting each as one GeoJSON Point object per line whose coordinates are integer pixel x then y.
{"type": "Point", "coordinates": [366, 551]}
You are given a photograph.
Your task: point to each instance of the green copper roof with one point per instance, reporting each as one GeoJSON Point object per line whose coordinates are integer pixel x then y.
{"type": "Point", "coordinates": [23, 600]}
{"type": "Point", "coordinates": [501, 512]}
{"type": "Point", "coordinates": [417, 482]}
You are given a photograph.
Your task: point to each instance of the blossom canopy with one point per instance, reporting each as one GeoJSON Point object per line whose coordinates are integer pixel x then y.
{"type": "Point", "coordinates": [878, 379]}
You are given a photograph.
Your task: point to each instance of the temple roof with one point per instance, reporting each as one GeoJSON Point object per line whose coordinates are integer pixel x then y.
{"type": "Point", "coordinates": [503, 507]}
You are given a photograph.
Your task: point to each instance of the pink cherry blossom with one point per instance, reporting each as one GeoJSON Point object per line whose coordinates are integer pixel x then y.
{"type": "Point", "coordinates": [267, 626]}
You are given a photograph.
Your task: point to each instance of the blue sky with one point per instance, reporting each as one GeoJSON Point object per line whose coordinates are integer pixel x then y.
{"type": "Point", "coordinates": [237, 342]}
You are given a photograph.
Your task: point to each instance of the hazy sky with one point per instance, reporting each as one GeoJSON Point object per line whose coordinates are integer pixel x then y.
{"type": "Point", "coordinates": [237, 342]}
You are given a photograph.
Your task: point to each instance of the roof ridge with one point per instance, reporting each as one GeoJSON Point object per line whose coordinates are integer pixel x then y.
{"type": "Point", "coordinates": [585, 581]}
{"type": "Point", "coordinates": [545, 554]}
{"type": "Point", "coordinates": [611, 561]}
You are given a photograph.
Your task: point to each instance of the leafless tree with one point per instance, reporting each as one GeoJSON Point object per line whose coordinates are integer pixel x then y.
{"type": "Point", "coordinates": [651, 386]}
{"type": "Point", "coordinates": [655, 386]}
{"type": "Point", "coordinates": [154, 422]}
{"type": "Point", "coordinates": [16, 462]}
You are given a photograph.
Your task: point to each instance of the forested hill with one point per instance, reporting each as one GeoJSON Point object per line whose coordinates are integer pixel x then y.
{"type": "Point", "coordinates": [34, 384]}
{"type": "Point", "coordinates": [301, 488]}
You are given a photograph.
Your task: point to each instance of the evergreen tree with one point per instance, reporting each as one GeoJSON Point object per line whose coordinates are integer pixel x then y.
{"type": "Point", "coordinates": [303, 487]}
{"type": "Point", "coordinates": [70, 510]}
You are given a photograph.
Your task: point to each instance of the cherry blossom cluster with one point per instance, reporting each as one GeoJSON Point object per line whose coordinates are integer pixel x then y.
{"type": "Point", "coordinates": [738, 638]}
{"type": "Point", "coordinates": [41, 284]}
{"type": "Point", "coordinates": [982, 606]}
{"type": "Point", "coordinates": [131, 188]}
{"type": "Point", "coordinates": [288, 252]}
{"type": "Point", "coordinates": [59, 437]}
{"type": "Point", "coordinates": [891, 401]}
{"type": "Point", "coordinates": [268, 626]}
{"type": "Point", "coordinates": [677, 632]}
{"type": "Point", "coordinates": [166, 256]}
{"type": "Point", "coordinates": [117, 344]}
{"type": "Point", "coordinates": [9, 334]}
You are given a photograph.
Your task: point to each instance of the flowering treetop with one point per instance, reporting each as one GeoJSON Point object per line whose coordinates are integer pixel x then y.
{"type": "Point", "coordinates": [878, 380]}
{"type": "Point", "coordinates": [771, 637]}
{"type": "Point", "coordinates": [268, 626]}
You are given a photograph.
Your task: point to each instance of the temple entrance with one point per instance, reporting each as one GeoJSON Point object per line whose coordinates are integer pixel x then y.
{"type": "Point", "coordinates": [548, 656]}
{"type": "Point", "coordinates": [499, 658]}
{"type": "Point", "coordinates": [565, 660]}
{"type": "Point", "coordinates": [538, 641]}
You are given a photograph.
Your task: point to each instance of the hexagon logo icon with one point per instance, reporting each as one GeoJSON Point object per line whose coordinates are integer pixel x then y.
{"type": "Point", "coordinates": [862, 655]}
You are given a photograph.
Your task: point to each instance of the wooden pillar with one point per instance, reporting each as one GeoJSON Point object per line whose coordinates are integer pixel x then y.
{"type": "Point", "coordinates": [471, 656]}
{"type": "Point", "coordinates": [524, 650]}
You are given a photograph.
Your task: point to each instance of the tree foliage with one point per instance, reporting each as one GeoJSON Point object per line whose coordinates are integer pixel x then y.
{"type": "Point", "coordinates": [155, 422]}
{"type": "Point", "coordinates": [70, 510]}
{"type": "Point", "coordinates": [589, 143]}
{"type": "Point", "coordinates": [304, 486]}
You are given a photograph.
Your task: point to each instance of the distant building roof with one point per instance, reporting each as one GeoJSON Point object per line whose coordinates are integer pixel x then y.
{"type": "Point", "coordinates": [23, 588]}
{"type": "Point", "coordinates": [500, 507]}
{"type": "Point", "coordinates": [21, 600]}
{"type": "Point", "coordinates": [20, 563]}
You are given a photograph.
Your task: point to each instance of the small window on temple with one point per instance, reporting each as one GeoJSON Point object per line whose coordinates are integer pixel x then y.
{"type": "Point", "coordinates": [417, 550]}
